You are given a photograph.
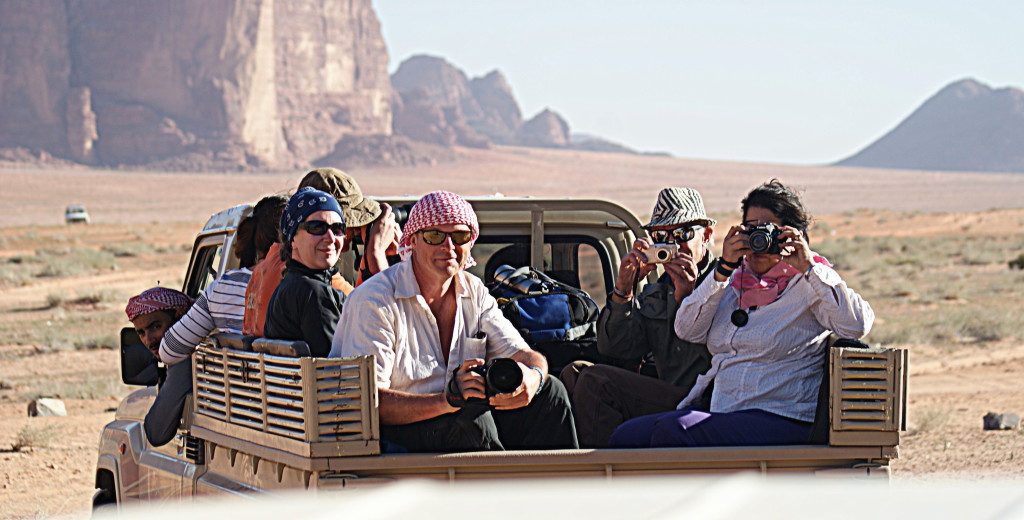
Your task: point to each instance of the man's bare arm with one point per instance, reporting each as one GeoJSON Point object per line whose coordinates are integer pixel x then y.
{"type": "Point", "coordinates": [404, 408]}
{"type": "Point", "coordinates": [532, 358]}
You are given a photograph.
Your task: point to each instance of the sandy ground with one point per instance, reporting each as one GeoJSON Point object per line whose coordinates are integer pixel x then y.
{"type": "Point", "coordinates": [950, 391]}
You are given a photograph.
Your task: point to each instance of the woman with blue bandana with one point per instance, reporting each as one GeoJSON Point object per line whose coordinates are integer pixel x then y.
{"type": "Point", "coordinates": [305, 306]}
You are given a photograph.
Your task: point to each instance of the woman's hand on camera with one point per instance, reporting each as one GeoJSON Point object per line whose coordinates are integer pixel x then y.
{"type": "Point", "coordinates": [794, 248]}
{"type": "Point", "coordinates": [735, 246]}
{"type": "Point", "coordinates": [634, 262]}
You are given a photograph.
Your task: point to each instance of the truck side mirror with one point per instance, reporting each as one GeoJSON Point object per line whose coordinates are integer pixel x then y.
{"type": "Point", "coordinates": [138, 365]}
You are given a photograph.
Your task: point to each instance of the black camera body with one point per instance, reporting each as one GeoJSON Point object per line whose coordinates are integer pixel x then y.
{"type": "Point", "coordinates": [764, 239]}
{"type": "Point", "coordinates": [502, 375]}
{"type": "Point", "coordinates": [401, 213]}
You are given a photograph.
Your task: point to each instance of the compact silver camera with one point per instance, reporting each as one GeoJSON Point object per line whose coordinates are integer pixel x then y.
{"type": "Point", "coordinates": [661, 253]}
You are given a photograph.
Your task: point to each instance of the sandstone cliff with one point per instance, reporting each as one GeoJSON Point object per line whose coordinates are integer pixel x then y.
{"type": "Point", "coordinates": [437, 103]}
{"type": "Point", "coordinates": [966, 126]}
{"type": "Point", "coordinates": [226, 83]}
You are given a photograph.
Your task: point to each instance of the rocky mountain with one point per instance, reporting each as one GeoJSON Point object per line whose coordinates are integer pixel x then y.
{"type": "Point", "coordinates": [500, 115]}
{"type": "Point", "coordinates": [546, 129]}
{"type": "Point", "coordinates": [191, 83]}
{"type": "Point", "coordinates": [966, 126]}
{"type": "Point", "coordinates": [439, 104]}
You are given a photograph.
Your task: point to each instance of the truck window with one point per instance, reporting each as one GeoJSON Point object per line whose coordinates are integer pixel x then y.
{"type": "Point", "coordinates": [206, 261]}
{"type": "Point", "coordinates": [592, 274]}
{"type": "Point", "coordinates": [571, 259]}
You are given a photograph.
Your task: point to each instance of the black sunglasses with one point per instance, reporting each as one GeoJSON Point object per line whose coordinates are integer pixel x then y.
{"type": "Point", "coordinates": [679, 235]}
{"type": "Point", "coordinates": [436, 237]}
{"type": "Point", "coordinates": [319, 227]}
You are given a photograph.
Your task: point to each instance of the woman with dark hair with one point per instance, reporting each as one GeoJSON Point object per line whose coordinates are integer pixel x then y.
{"type": "Point", "coordinates": [765, 316]}
{"type": "Point", "coordinates": [221, 307]}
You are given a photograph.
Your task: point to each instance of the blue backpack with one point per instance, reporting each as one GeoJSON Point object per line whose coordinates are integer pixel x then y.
{"type": "Point", "coordinates": [554, 318]}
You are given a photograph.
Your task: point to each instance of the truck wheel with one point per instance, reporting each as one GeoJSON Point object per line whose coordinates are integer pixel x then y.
{"type": "Point", "coordinates": [105, 497]}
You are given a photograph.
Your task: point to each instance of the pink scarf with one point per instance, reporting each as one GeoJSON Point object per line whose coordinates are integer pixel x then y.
{"type": "Point", "coordinates": [760, 291]}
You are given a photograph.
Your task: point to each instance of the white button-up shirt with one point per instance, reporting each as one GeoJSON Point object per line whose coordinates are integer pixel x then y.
{"type": "Point", "coordinates": [388, 318]}
{"type": "Point", "coordinates": [775, 363]}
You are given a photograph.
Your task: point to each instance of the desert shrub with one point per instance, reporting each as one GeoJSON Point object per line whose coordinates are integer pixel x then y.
{"type": "Point", "coordinates": [89, 386]}
{"type": "Point", "coordinates": [73, 261]}
{"type": "Point", "coordinates": [90, 297]}
{"type": "Point", "coordinates": [1017, 263]}
{"type": "Point", "coordinates": [130, 249]}
{"type": "Point", "coordinates": [31, 437]}
{"type": "Point", "coordinates": [931, 419]}
{"type": "Point", "coordinates": [67, 339]}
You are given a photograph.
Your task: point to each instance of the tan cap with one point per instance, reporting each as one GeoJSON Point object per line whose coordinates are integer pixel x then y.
{"type": "Point", "coordinates": [359, 211]}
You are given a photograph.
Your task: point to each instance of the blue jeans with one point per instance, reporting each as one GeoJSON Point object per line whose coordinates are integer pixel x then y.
{"type": "Point", "coordinates": [689, 428]}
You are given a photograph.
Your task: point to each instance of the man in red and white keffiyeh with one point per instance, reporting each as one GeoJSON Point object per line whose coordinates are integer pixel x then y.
{"type": "Point", "coordinates": [154, 311]}
{"type": "Point", "coordinates": [440, 208]}
{"type": "Point", "coordinates": [431, 326]}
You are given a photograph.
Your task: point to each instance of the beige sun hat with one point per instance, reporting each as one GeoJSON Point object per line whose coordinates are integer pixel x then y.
{"type": "Point", "coordinates": [359, 210]}
{"type": "Point", "coordinates": [678, 206]}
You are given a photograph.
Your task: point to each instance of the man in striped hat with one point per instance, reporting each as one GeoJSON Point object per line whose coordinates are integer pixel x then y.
{"type": "Point", "coordinates": [639, 328]}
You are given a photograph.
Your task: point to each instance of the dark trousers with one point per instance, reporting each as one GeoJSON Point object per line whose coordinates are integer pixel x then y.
{"type": "Point", "coordinates": [603, 397]}
{"type": "Point", "coordinates": [689, 428]}
{"type": "Point", "coordinates": [545, 424]}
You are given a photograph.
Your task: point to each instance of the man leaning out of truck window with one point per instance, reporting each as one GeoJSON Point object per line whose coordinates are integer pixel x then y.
{"type": "Point", "coordinates": [153, 312]}
{"type": "Point", "coordinates": [305, 307]}
{"type": "Point", "coordinates": [432, 326]}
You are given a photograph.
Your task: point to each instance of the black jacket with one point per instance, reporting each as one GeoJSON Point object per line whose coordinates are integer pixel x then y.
{"type": "Point", "coordinates": [646, 324]}
{"type": "Point", "coordinates": [305, 307]}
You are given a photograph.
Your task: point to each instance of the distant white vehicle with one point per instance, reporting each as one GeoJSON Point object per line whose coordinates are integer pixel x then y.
{"type": "Point", "coordinates": [76, 214]}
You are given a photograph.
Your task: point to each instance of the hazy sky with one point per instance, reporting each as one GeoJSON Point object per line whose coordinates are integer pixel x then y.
{"type": "Point", "coordinates": [802, 82]}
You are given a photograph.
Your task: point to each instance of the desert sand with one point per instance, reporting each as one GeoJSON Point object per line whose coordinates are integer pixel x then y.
{"type": "Point", "coordinates": [41, 318]}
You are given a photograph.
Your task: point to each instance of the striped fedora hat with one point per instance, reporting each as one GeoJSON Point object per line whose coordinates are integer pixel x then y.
{"type": "Point", "coordinates": [677, 206]}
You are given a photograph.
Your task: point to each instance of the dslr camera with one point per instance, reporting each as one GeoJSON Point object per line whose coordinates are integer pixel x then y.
{"type": "Point", "coordinates": [763, 239]}
{"type": "Point", "coordinates": [661, 253]}
{"type": "Point", "coordinates": [502, 375]}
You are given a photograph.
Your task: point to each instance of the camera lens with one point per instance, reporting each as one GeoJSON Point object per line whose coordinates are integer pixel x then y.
{"type": "Point", "coordinates": [760, 241]}
{"type": "Point", "coordinates": [503, 376]}
{"type": "Point", "coordinates": [663, 255]}
{"type": "Point", "coordinates": [401, 213]}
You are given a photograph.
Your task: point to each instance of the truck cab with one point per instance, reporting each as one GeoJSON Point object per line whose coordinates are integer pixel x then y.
{"type": "Point", "coordinates": [261, 420]}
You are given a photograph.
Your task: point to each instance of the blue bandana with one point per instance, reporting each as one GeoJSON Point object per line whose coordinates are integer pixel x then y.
{"type": "Point", "coordinates": [304, 203]}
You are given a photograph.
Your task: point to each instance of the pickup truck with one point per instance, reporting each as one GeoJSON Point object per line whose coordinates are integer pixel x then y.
{"type": "Point", "coordinates": [261, 420]}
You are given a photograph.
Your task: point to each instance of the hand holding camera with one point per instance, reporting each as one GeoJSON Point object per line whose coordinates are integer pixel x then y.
{"type": "Point", "coordinates": [766, 239]}
{"type": "Point", "coordinates": [661, 253]}
{"type": "Point", "coordinates": [497, 383]}
{"type": "Point", "coordinates": [763, 239]}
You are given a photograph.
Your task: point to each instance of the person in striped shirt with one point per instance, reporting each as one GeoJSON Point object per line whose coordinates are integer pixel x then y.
{"type": "Point", "coordinates": [221, 307]}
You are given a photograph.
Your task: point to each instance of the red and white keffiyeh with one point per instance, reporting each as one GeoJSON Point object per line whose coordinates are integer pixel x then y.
{"type": "Point", "coordinates": [437, 209]}
{"type": "Point", "coordinates": [158, 299]}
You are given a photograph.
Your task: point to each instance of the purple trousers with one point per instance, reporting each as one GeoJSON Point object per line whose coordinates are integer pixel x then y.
{"type": "Point", "coordinates": [688, 428]}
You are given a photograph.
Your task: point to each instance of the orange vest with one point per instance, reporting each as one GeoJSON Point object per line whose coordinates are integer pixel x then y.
{"type": "Point", "coordinates": [266, 276]}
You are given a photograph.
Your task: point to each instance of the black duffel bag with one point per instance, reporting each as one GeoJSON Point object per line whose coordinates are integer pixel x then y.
{"type": "Point", "coordinates": [556, 319]}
